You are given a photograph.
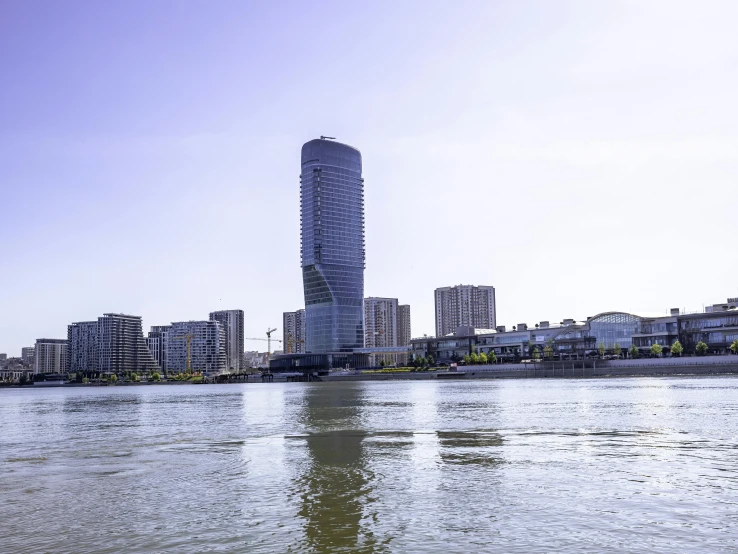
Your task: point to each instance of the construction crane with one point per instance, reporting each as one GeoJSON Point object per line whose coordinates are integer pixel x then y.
{"type": "Point", "coordinates": [269, 340]}
{"type": "Point", "coordinates": [188, 337]}
{"type": "Point", "coordinates": [327, 138]}
{"type": "Point", "coordinates": [291, 341]}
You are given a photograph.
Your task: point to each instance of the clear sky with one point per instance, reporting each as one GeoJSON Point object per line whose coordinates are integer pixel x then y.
{"type": "Point", "coordinates": [579, 156]}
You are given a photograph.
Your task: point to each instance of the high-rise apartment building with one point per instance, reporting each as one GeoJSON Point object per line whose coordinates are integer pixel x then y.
{"type": "Point", "coordinates": [27, 355]}
{"type": "Point", "coordinates": [158, 342]}
{"type": "Point", "coordinates": [293, 332]}
{"type": "Point", "coordinates": [50, 356]}
{"type": "Point", "coordinates": [232, 323]}
{"type": "Point", "coordinates": [404, 333]}
{"type": "Point", "coordinates": [465, 305]}
{"type": "Point", "coordinates": [332, 245]}
{"type": "Point", "coordinates": [380, 322]}
{"type": "Point", "coordinates": [112, 344]}
{"type": "Point", "coordinates": [204, 342]}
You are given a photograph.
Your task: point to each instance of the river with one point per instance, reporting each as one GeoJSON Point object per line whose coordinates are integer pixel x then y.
{"type": "Point", "coordinates": [537, 465]}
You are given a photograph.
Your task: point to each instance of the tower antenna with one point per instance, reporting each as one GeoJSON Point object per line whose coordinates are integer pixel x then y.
{"type": "Point", "coordinates": [327, 138]}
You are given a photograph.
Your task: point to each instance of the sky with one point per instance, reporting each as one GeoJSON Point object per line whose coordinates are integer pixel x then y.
{"type": "Point", "coordinates": [580, 157]}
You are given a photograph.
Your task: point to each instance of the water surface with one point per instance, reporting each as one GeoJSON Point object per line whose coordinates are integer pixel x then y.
{"type": "Point", "coordinates": [624, 465]}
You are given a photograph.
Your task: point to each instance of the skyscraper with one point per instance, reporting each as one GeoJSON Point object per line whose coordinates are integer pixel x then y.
{"type": "Point", "coordinates": [465, 305]}
{"type": "Point", "coordinates": [158, 342]}
{"type": "Point", "coordinates": [232, 323]}
{"type": "Point", "coordinates": [293, 332]}
{"type": "Point", "coordinates": [50, 356]}
{"type": "Point", "coordinates": [332, 245]}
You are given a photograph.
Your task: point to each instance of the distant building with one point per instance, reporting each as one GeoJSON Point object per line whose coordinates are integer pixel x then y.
{"type": "Point", "coordinates": [464, 305]}
{"type": "Point", "coordinates": [50, 356]}
{"type": "Point", "coordinates": [380, 322]}
{"type": "Point", "coordinates": [3, 357]}
{"type": "Point", "coordinates": [27, 355]}
{"type": "Point", "coordinates": [207, 350]}
{"type": "Point", "coordinates": [404, 333]}
{"type": "Point", "coordinates": [158, 342]}
{"type": "Point", "coordinates": [232, 323]}
{"type": "Point", "coordinates": [293, 332]}
{"type": "Point", "coordinates": [112, 344]}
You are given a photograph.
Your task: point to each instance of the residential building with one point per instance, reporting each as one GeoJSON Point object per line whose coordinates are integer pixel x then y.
{"type": "Point", "coordinates": [3, 357]}
{"type": "Point", "coordinates": [464, 305]}
{"type": "Point", "coordinates": [232, 323]}
{"type": "Point", "coordinates": [293, 332]}
{"type": "Point", "coordinates": [27, 355]}
{"type": "Point", "coordinates": [404, 332]}
{"type": "Point", "coordinates": [380, 322]}
{"type": "Point", "coordinates": [50, 356]}
{"type": "Point", "coordinates": [332, 245]}
{"type": "Point", "coordinates": [158, 342]}
{"type": "Point", "coordinates": [82, 347]}
{"type": "Point", "coordinates": [199, 346]}
{"type": "Point", "coordinates": [112, 344]}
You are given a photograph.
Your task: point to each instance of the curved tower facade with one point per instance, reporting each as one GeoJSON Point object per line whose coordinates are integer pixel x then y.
{"type": "Point", "coordinates": [332, 246]}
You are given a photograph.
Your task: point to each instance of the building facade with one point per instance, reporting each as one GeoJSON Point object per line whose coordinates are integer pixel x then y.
{"type": "Point", "coordinates": [27, 355]}
{"type": "Point", "coordinates": [293, 332]}
{"type": "Point", "coordinates": [332, 245]}
{"type": "Point", "coordinates": [112, 344]}
{"type": "Point", "coordinates": [380, 322]}
{"type": "Point", "coordinates": [404, 329]}
{"type": "Point", "coordinates": [50, 356]}
{"type": "Point", "coordinates": [197, 346]}
{"type": "Point", "coordinates": [232, 323]}
{"type": "Point", "coordinates": [158, 342]}
{"type": "Point", "coordinates": [464, 305]}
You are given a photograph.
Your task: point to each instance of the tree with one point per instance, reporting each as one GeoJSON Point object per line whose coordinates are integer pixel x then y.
{"type": "Point", "coordinates": [467, 359]}
{"type": "Point", "coordinates": [601, 349]}
{"type": "Point", "coordinates": [701, 348]}
{"type": "Point", "coordinates": [113, 378]}
{"type": "Point", "coordinates": [491, 357]}
{"type": "Point", "coordinates": [656, 350]}
{"type": "Point", "coordinates": [548, 352]}
{"type": "Point", "coordinates": [634, 352]}
{"type": "Point", "coordinates": [422, 361]}
{"type": "Point", "coordinates": [430, 361]}
{"type": "Point", "coordinates": [535, 354]}
{"type": "Point", "coordinates": [677, 349]}
{"type": "Point", "coordinates": [381, 363]}
{"type": "Point", "coordinates": [617, 349]}
{"type": "Point", "coordinates": [155, 376]}
{"type": "Point", "coordinates": [734, 347]}
{"type": "Point", "coordinates": [474, 358]}
{"type": "Point", "coordinates": [482, 358]}
{"type": "Point", "coordinates": [134, 377]}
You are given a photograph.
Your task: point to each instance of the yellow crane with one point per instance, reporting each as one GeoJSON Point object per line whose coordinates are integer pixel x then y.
{"type": "Point", "coordinates": [269, 340]}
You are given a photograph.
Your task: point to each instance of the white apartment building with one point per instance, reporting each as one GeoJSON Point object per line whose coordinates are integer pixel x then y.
{"type": "Point", "coordinates": [206, 350]}
{"type": "Point", "coordinates": [50, 356]}
{"type": "Point", "coordinates": [380, 322]}
{"type": "Point", "coordinates": [404, 331]}
{"type": "Point", "coordinates": [465, 305]}
{"type": "Point", "coordinates": [232, 323]}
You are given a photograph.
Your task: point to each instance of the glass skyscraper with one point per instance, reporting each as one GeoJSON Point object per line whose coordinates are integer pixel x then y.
{"type": "Point", "coordinates": [332, 245]}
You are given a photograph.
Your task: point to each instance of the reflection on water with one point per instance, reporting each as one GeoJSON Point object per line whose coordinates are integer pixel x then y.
{"type": "Point", "coordinates": [628, 465]}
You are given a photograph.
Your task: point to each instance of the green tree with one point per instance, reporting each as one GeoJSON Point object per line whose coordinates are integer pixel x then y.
{"type": "Point", "coordinates": [430, 360]}
{"type": "Point", "coordinates": [617, 349]}
{"type": "Point", "coordinates": [548, 352]}
{"type": "Point", "coordinates": [535, 354]}
{"type": "Point", "coordinates": [474, 358]}
{"type": "Point", "coordinates": [85, 380]}
{"type": "Point", "coordinates": [601, 349]}
{"type": "Point", "coordinates": [634, 352]}
{"type": "Point", "coordinates": [700, 348]}
{"type": "Point", "coordinates": [656, 350]}
{"type": "Point", "coordinates": [482, 358]}
{"type": "Point", "coordinates": [677, 349]}
{"type": "Point", "coordinates": [734, 347]}
{"type": "Point", "coordinates": [491, 357]}
{"type": "Point", "coordinates": [134, 377]}
{"type": "Point", "coordinates": [381, 363]}
{"type": "Point", "coordinates": [467, 359]}
{"type": "Point", "coordinates": [113, 378]}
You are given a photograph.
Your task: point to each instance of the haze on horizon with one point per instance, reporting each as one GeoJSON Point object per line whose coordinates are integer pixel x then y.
{"type": "Point", "coordinates": [578, 156]}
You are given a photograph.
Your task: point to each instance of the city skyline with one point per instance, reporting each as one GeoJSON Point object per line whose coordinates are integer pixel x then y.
{"type": "Point", "coordinates": [528, 146]}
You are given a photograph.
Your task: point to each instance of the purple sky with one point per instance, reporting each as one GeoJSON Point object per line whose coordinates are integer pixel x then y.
{"type": "Point", "coordinates": [579, 156]}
